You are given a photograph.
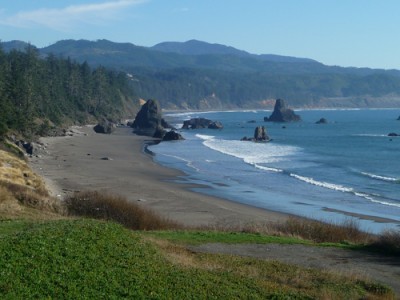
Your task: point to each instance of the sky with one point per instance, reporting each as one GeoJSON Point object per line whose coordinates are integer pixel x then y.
{"type": "Point", "coordinates": [357, 33]}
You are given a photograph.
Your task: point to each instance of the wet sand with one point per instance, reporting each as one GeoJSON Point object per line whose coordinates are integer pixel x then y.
{"type": "Point", "coordinates": [117, 164]}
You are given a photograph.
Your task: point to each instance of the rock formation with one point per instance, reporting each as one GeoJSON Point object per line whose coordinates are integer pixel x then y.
{"type": "Point", "coordinates": [104, 126]}
{"type": "Point", "coordinates": [260, 135]}
{"type": "Point", "coordinates": [198, 123]}
{"type": "Point", "coordinates": [172, 136]}
{"type": "Point", "coordinates": [322, 121]}
{"type": "Point", "coordinates": [282, 114]}
{"type": "Point", "coordinates": [149, 120]}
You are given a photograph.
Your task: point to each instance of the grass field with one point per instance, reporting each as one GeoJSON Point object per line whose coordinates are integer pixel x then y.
{"type": "Point", "coordinates": [85, 258]}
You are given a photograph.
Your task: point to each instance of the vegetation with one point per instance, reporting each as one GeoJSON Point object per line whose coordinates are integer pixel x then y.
{"type": "Point", "coordinates": [93, 259]}
{"type": "Point", "coordinates": [97, 205]}
{"type": "Point", "coordinates": [210, 76]}
{"type": "Point", "coordinates": [37, 94]}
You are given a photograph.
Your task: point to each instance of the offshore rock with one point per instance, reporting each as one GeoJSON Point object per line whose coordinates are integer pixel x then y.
{"type": "Point", "coordinates": [322, 121]}
{"type": "Point", "coordinates": [260, 135]}
{"type": "Point", "coordinates": [198, 123]}
{"type": "Point", "coordinates": [282, 114]}
{"type": "Point", "coordinates": [393, 134]}
{"type": "Point", "coordinates": [172, 136]}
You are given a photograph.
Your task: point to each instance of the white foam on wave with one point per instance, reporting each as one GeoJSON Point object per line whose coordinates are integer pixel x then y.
{"type": "Point", "coordinates": [373, 200]}
{"type": "Point", "coordinates": [268, 169]}
{"type": "Point", "coordinates": [340, 188]}
{"type": "Point", "coordinates": [331, 186]}
{"type": "Point", "coordinates": [385, 203]}
{"type": "Point", "coordinates": [252, 153]}
{"type": "Point", "coordinates": [370, 135]}
{"type": "Point", "coordinates": [379, 177]}
{"type": "Point", "coordinates": [205, 137]}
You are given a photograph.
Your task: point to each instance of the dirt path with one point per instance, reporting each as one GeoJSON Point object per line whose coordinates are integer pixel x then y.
{"type": "Point", "coordinates": [381, 269]}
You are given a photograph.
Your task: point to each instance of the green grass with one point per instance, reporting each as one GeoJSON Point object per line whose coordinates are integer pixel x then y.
{"type": "Point", "coordinates": [193, 237]}
{"type": "Point", "coordinates": [78, 259]}
{"type": "Point", "coordinates": [10, 227]}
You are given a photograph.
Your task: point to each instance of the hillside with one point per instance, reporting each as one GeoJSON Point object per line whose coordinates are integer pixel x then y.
{"type": "Point", "coordinates": [199, 75]}
{"type": "Point", "coordinates": [39, 94]}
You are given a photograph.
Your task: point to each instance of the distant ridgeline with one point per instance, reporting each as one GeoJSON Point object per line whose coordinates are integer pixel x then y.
{"type": "Point", "coordinates": [38, 93]}
{"type": "Point", "coordinates": [199, 75]}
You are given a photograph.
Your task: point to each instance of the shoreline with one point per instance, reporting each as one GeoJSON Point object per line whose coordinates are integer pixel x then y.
{"type": "Point", "coordinates": [119, 164]}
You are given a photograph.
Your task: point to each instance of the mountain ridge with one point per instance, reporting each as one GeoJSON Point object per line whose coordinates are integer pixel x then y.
{"type": "Point", "coordinates": [211, 76]}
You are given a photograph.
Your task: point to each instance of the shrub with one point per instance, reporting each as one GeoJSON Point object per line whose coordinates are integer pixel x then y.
{"type": "Point", "coordinates": [388, 242]}
{"type": "Point", "coordinates": [97, 205]}
{"type": "Point", "coordinates": [34, 198]}
{"type": "Point", "coordinates": [320, 232]}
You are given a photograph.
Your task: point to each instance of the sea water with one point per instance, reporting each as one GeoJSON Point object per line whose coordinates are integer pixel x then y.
{"type": "Point", "coordinates": [347, 168]}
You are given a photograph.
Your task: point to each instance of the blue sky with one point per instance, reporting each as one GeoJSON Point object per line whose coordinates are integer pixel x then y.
{"type": "Point", "coordinates": [360, 33]}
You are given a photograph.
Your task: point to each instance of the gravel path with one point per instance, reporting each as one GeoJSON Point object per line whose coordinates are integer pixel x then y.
{"type": "Point", "coordinates": [382, 269]}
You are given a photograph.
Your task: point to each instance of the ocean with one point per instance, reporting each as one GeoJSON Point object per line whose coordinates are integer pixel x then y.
{"type": "Point", "coordinates": [346, 169]}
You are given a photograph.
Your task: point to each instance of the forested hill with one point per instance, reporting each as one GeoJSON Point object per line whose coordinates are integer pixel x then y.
{"type": "Point", "coordinates": [199, 75]}
{"type": "Point", "coordinates": [40, 93]}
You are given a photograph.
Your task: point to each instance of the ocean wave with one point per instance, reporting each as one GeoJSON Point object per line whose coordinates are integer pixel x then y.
{"type": "Point", "coordinates": [385, 203]}
{"type": "Point", "coordinates": [331, 186]}
{"type": "Point", "coordinates": [268, 169]}
{"type": "Point", "coordinates": [252, 153]}
{"type": "Point", "coordinates": [205, 137]}
{"type": "Point", "coordinates": [379, 177]}
{"type": "Point", "coordinates": [370, 135]}
{"type": "Point", "coordinates": [341, 188]}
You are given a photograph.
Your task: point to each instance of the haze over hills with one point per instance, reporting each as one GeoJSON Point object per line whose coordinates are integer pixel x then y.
{"type": "Point", "coordinates": [200, 75]}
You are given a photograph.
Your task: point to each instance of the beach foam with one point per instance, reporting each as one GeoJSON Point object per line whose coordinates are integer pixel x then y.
{"type": "Point", "coordinates": [379, 177]}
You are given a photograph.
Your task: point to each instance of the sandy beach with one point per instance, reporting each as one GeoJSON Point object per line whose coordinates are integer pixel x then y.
{"type": "Point", "coordinates": [117, 164]}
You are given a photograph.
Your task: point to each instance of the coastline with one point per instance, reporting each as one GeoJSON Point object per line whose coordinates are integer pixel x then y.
{"type": "Point", "coordinates": [119, 164]}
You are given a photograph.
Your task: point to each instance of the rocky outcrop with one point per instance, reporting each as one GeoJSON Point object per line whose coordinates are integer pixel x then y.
{"type": "Point", "coordinates": [215, 125]}
{"type": "Point", "coordinates": [322, 121]}
{"type": "Point", "coordinates": [172, 136]}
{"type": "Point", "coordinates": [282, 114]}
{"type": "Point", "coordinates": [104, 126]}
{"type": "Point", "coordinates": [149, 120]}
{"type": "Point", "coordinates": [260, 135]}
{"type": "Point", "coordinates": [198, 123]}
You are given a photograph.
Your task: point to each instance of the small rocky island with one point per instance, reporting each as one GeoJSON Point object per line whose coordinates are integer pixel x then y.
{"type": "Point", "coordinates": [198, 123]}
{"type": "Point", "coordinates": [282, 113]}
{"type": "Point", "coordinates": [322, 121]}
{"type": "Point", "coordinates": [260, 135]}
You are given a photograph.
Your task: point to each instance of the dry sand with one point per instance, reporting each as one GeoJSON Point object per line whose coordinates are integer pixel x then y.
{"type": "Point", "coordinates": [117, 164]}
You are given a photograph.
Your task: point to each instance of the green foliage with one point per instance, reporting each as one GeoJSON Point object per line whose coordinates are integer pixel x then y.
{"type": "Point", "coordinates": [56, 90]}
{"type": "Point", "coordinates": [202, 237]}
{"type": "Point", "coordinates": [237, 79]}
{"type": "Point", "coordinates": [80, 259]}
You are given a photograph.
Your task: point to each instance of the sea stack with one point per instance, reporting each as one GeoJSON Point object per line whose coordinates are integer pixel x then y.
{"type": "Point", "coordinates": [282, 114]}
{"type": "Point", "coordinates": [260, 135]}
{"type": "Point", "coordinates": [322, 121]}
{"type": "Point", "coordinates": [149, 120]}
